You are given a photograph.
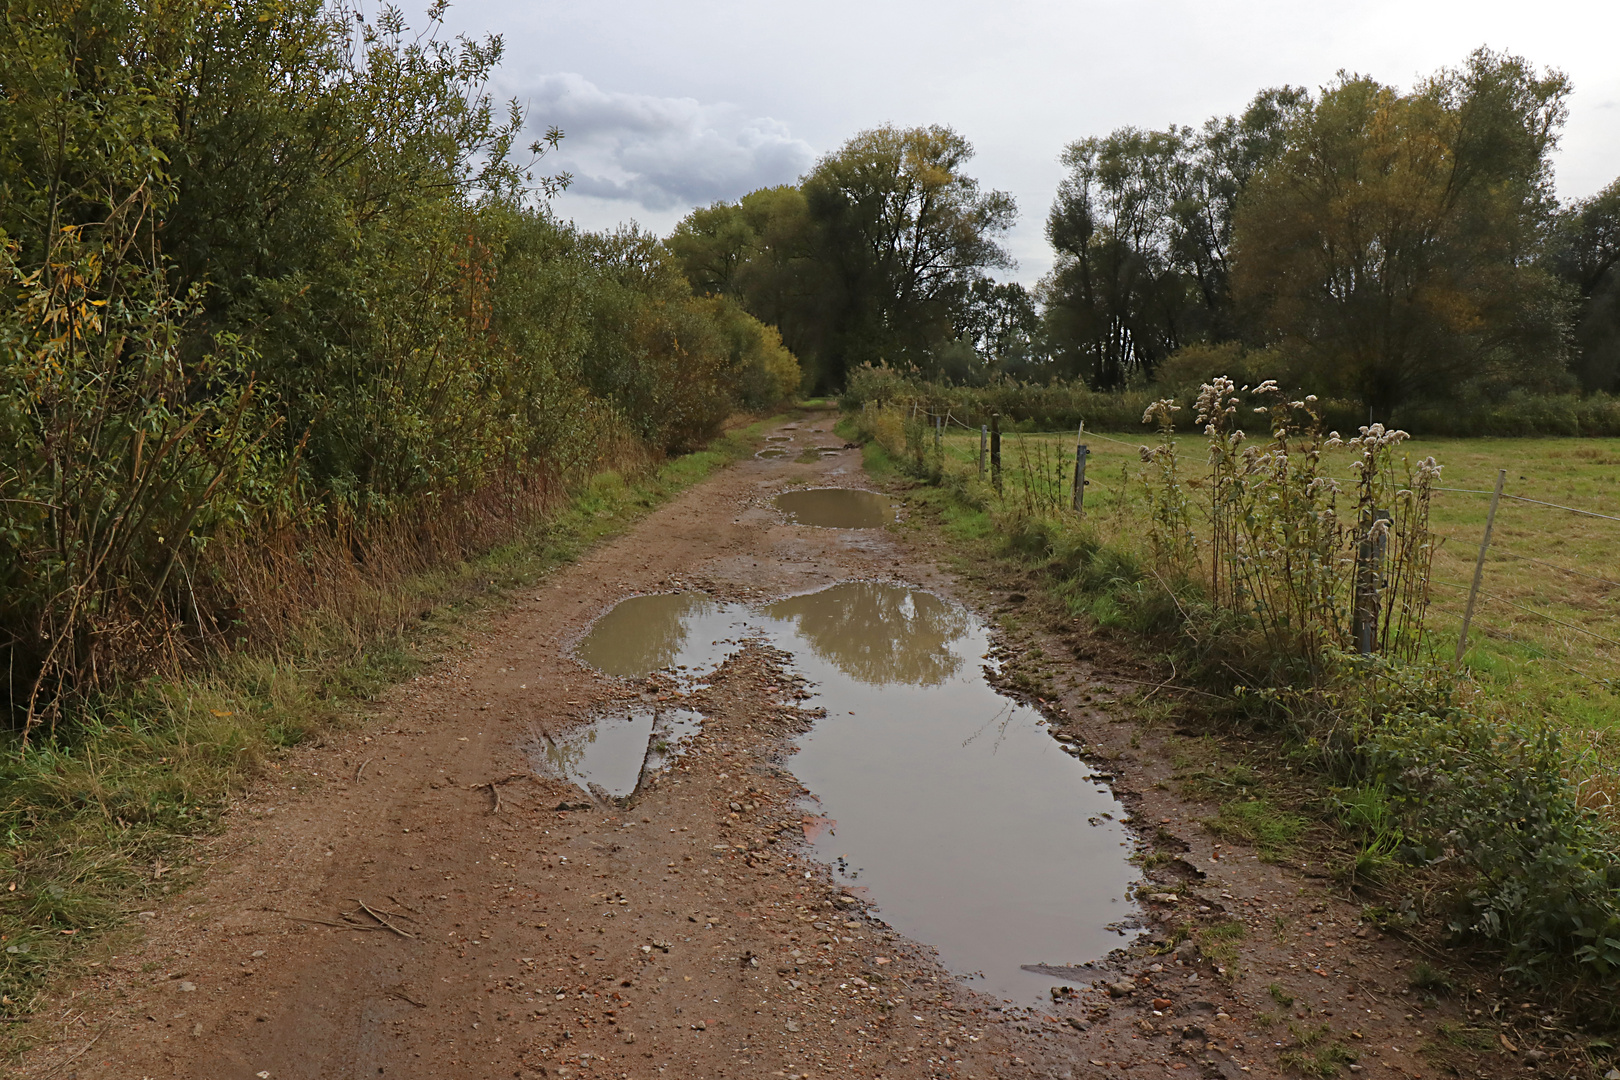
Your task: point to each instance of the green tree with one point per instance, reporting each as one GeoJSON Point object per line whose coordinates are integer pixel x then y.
{"type": "Point", "coordinates": [1392, 243]}
{"type": "Point", "coordinates": [1586, 254]}
{"type": "Point", "coordinates": [1142, 229]}
{"type": "Point", "coordinates": [764, 252]}
{"type": "Point", "coordinates": [903, 234]}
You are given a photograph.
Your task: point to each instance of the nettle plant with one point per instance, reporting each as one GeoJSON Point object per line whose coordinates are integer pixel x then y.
{"type": "Point", "coordinates": [1319, 565]}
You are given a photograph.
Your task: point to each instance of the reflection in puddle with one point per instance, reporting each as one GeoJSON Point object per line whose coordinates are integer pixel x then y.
{"type": "Point", "coordinates": [772, 452]}
{"type": "Point", "coordinates": [612, 756]}
{"type": "Point", "coordinates": [878, 633]}
{"type": "Point", "coordinates": [646, 633]}
{"type": "Point", "coordinates": [836, 508]}
{"type": "Point", "coordinates": [973, 829]}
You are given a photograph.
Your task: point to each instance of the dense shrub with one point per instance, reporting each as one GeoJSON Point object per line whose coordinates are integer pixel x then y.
{"type": "Point", "coordinates": [280, 278]}
{"type": "Point", "coordinates": [1062, 405]}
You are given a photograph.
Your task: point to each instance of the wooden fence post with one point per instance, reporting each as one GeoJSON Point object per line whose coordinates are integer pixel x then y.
{"type": "Point", "coordinates": [1080, 452]}
{"type": "Point", "coordinates": [1479, 565]}
{"type": "Point", "coordinates": [995, 451]}
{"type": "Point", "coordinates": [984, 443]}
{"type": "Point", "coordinates": [1369, 579]}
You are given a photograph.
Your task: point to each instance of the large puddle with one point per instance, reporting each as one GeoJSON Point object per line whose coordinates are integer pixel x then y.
{"type": "Point", "coordinates": [975, 831]}
{"type": "Point", "coordinates": [836, 508]}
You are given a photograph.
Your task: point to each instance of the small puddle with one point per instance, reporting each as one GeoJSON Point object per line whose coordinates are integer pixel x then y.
{"type": "Point", "coordinates": [614, 755]}
{"type": "Point", "coordinates": [971, 827]}
{"type": "Point", "coordinates": [646, 633]}
{"type": "Point", "coordinates": [778, 438]}
{"type": "Point", "coordinates": [836, 508]}
{"type": "Point", "coordinates": [772, 452]}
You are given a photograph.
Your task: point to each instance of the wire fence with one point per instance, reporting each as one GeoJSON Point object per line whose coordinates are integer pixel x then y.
{"type": "Point", "coordinates": [1532, 605]}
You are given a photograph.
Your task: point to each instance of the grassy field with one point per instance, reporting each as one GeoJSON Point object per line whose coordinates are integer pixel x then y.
{"type": "Point", "coordinates": [1545, 635]}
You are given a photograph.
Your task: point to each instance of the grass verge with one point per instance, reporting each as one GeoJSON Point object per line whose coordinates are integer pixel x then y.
{"type": "Point", "coordinates": [1460, 816]}
{"type": "Point", "coordinates": [115, 812]}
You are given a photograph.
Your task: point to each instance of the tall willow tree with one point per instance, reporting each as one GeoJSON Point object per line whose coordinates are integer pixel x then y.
{"type": "Point", "coordinates": [1585, 253]}
{"type": "Point", "coordinates": [1392, 245]}
{"type": "Point", "coordinates": [1142, 232]}
{"type": "Point", "coordinates": [877, 254]}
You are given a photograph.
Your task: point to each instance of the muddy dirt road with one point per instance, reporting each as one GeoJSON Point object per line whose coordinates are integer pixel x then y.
{"type": "Point", "coordinates": [527, 867]}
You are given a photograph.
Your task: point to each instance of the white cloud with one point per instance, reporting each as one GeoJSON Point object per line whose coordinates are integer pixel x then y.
{"type": "Point", "coordinates": [658, 154]}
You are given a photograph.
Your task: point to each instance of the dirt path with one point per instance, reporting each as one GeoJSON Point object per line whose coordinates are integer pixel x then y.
{"type": "Point", "coordinates": [687, 936]}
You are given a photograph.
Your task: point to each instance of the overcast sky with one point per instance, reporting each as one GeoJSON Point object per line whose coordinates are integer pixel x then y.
{"type": "Point", "coordinates": [668, 105]}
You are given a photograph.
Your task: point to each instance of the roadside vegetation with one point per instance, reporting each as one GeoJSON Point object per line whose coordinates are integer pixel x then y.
{"type": "Point", "coordinates": [295, 358]}
{"type": "Point", "coordinates": [1471, 804]}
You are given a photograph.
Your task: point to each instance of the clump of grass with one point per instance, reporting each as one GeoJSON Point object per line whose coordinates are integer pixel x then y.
{"type": "Point", "coordinates": [1279, 995]}
{"type": "Point", "coordinates": [1272, 830]}
{"type": "Point", "coordinates": [1426, 976]}
{"type": "Point", "coordinates": [1464, 1037]}
{"type": "Point", "coordinates": [1366, 812]}
{"type": "Point", "coordinates": [1218, 942]}
{"type": "Point", "coordinates": [1318, 1054]}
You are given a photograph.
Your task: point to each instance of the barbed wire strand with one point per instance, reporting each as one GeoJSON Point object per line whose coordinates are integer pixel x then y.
{"type": "Point", "coordinates": [1555, 566]}
{"type": "Point", "coordinates": [1531, 610]}
{"type": "Point", "coordinates": [1537, 502]}
{"type": "Point", "coordinates": [1542, 652]}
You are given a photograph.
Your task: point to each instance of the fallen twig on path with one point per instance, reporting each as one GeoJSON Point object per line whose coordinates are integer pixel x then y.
{"type": "Point", "coordinates": [76, 1055]}
{"type": "Point", "coordinates": [372, 912]}
{"type": "Point", "coordinates": [327, 922]}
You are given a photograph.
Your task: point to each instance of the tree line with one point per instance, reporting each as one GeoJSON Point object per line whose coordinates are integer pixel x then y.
{"type": "Point", "coordinates": [276, 267]}
{"type": "Point", "coordinates": [1387, 247]}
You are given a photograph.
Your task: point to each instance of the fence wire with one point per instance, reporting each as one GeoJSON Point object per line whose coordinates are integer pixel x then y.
{"type": "Point", "coordinates": [1494, 598]}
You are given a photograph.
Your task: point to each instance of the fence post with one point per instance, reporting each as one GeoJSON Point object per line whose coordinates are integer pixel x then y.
{"type": "Point", "coordinates": [995, 450]}
{"type": "Point", "coordinates": [1369, 579]}
{"type": "Point", "coordinates": [984, 443]}
{"type": "Point", "coordinates": [939, 431]}
{"type": "Point", "coordinates": [1080, 452]}
{"type": "Point", "coordinates": [1479, 565]}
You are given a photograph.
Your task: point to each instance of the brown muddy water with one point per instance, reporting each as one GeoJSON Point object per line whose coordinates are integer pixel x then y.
{"type": "Point", "coordinates": [836, 508]}
{"type": "Point", "coordinates": [970, 827]}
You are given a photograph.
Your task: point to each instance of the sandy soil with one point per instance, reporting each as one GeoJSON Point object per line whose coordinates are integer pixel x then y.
{"type": "Point", "coordinates": [409, 900]}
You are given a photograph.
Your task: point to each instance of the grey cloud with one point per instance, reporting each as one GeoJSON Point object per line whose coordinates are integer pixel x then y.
{"type": "Point", "coordinates": [660, 153]}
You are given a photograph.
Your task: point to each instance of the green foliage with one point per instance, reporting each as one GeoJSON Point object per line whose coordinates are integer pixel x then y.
{"type": "Point", "coordinates": [1257, 821]}
{"type": "Point", "coordinates": [280, 282]}
{"type": "Point", "coordinates": [1389, 242]}
{"type": "Point", "coordinates": [1490, 794]}
{"type": "Point", "coordinates": [879, 252]}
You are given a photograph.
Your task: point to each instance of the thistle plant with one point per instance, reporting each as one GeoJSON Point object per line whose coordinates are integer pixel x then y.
{"type": "Point", "coordinates": [1279, 552]}
{"type": "Point", "coordinates": [1170, 515]}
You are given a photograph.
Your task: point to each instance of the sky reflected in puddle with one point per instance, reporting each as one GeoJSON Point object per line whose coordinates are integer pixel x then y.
{"type": "Point", "coordinates": [613, 755]}
{"type": "Point", "coordinates": [973, 829]}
